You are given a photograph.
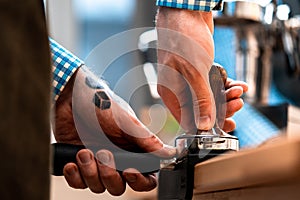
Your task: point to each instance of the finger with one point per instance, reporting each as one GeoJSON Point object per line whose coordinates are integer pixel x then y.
{"type": "Point", "coordinates": [192, 90]}
{"type": "Point", "coordinates": [233, 93]}
{"type": "Point", "coordinates": [203, 100]}
{"type": "Point", "coordinates": [233, 106]}
{"type": "Point", "coordinates": [73, 177]}
{"type": "Point", "coordinates": [89, 170]}
{"type": "Point", "coordinates": [155, 146]}
{"type": "Point", "coordinates": [139, 182]}
{"type": "Point", "coordinates": [111, 179]}
{"type": "Point", "coordinates": [229, 125]}
{"type": "Point", "coordinates": [231, 83]}
{"type": "Point", "coordinates": [204, 109]}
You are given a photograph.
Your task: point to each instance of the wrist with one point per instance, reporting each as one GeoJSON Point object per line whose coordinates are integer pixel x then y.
{"type": "Point", "coordinates": [184, 16]}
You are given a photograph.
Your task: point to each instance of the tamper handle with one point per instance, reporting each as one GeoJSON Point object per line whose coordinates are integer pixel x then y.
{"type": "Point", "coordinates": [217, 80]}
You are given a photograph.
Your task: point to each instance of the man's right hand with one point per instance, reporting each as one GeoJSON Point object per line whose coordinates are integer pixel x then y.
{"type": "Point", "coordinates": [185, 56]}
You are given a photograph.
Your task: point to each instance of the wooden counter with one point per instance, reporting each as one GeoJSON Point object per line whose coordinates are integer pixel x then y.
{"type": "Point", "coordinates": [271, 171]}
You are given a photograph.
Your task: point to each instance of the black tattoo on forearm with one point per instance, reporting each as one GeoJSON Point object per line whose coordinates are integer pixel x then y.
{"type": "Point", "coordinates": [101, 100]}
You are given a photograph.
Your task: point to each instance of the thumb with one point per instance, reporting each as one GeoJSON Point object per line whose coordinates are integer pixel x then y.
{"type": "Point", "coordinates": [155, 146]}
{"type": "Point", "coordinates": [203, 102]}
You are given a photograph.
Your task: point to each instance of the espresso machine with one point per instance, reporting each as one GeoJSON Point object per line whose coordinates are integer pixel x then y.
{"type": "Point", "coordinates": [266, 53]}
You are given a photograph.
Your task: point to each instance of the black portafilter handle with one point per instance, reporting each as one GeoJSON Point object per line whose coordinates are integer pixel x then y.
{"type": "Point", "coordinates": [63, 153]}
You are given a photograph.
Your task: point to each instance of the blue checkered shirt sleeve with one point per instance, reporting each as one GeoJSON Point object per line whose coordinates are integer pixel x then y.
{"type": "Point", "coordinates": [64, 64]}
{"type": "Point", "coordinates": [201, 5]}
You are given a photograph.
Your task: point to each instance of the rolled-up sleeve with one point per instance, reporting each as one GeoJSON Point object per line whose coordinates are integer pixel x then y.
{"type": "Point", "coordinates": [200, 5]}
{"type": "Point", "coordinates": [64, 64]}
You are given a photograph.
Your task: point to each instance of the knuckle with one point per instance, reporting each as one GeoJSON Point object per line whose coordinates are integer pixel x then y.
{"type": "Point", "coordinates": [108, 175]}
{"type": "Point", "coordinates": [89, 174]}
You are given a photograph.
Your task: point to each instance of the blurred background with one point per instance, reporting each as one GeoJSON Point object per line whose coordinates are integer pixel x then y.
{"type": "Point", "coordinates": [256, 41]}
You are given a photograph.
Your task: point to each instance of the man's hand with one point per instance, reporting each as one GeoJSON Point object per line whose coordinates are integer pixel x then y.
{"type": "Point", "coordinates": [89, 113]}
{"type": "Point", "coordinates": [185, 56]}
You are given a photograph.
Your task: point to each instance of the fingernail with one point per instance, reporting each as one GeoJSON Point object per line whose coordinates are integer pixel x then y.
{"type": "Point", "coordinates": [85, 157]}
{"type": "Point", "coordinates": [103, 157]}
{"type": "Point", "coordinates": [130, 178]}
{"type": "Point", "coordinates": [71, 171]}
{"type": "Point", "coordinates": [203, 122]}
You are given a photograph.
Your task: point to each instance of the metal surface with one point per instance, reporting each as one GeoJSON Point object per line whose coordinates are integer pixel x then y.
{"type": "Point", "coordinates": [253, 46]}
{"type": "Point", "coordinates": [239, 14]}
{"type": "Point", "coordinates": [253, 62]}
{"type": "Point", "coordinates": [207, 142]}
{"type": "Point", "coordinates": [267, 47]}
{"type": "Point", "coordinates": [286, 59]}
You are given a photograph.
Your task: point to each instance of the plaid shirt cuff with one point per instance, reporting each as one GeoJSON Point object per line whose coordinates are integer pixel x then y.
{"type": "Point", "coordinates": [201, 5]}
{"type": "Point", "coordinates": [64, 64]}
